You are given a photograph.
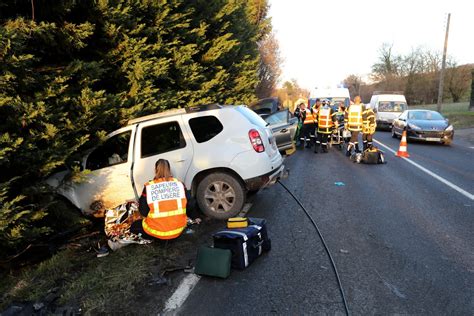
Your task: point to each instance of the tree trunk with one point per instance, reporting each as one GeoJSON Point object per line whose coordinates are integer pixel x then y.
{"type": "Point", "coordinates": [33, 10]}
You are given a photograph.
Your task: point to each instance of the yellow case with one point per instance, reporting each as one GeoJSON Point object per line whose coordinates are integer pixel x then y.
{"type": "Point", "coordinates": [237, 222]}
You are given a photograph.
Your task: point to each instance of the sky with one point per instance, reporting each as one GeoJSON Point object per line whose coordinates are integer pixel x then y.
{"type": "Point", "coordinates": [324, 41]}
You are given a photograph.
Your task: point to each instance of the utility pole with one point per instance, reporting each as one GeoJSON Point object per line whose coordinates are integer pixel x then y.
{"type": "Point", "coordinates": [471, 103]}
{"type": "Point", "coordinates": [443, 66]}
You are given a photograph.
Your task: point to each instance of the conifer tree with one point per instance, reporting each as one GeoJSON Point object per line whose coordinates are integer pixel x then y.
{"type": "Point", "coordinates": [81, 68]}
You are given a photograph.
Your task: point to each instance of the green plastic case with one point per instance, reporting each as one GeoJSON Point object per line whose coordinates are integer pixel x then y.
{"type": "Point", "coordinates": [213, 262]}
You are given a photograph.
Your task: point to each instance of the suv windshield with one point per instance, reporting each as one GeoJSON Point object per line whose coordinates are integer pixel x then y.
{"type": "Point", "coordinates": [392, 106]}
{"type": "Point", "coordinates": [251, 116]}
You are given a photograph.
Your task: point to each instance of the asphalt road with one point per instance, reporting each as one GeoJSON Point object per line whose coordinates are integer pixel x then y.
{"type": "Point", "coordinates": [402, 240]}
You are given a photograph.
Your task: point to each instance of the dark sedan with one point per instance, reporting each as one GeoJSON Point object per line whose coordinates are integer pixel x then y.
{"type": "Point", "coordinates": [423, 125]}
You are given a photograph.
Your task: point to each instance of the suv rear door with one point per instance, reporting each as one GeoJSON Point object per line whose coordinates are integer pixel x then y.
{"type": "Point", "coordinates": [164, 139]}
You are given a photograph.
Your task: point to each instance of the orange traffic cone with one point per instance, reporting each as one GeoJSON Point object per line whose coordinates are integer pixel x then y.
{"type": "Point", "coordinates": [402, 150]}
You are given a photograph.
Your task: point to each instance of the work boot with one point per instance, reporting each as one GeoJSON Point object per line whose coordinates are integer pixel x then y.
{"type": "Point", "coordinates": [315, 149]}
{"type": "Point", "coordinates": [357, 150]}
{"type": "Point", "coordinates": [325, 149]}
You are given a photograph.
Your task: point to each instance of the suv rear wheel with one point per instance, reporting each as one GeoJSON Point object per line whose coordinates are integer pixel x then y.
{"type": "Point", "coordinates": [220, 195]}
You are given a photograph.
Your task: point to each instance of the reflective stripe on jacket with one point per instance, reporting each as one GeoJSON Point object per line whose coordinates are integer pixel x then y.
{"type": "Point", "coordinates": [325, 120]}
{"type": "Point", "coordinates": [310, 117]}
{"type": "Point", "coordinates": [370, 124]}
{"type": "Point", "coordinates": [353, 117]}
{"type": "Point", "coordinates": [166, 198]}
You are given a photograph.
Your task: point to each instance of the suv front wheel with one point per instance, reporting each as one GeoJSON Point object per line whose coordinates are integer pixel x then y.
{"type": "Point", "coordinates": [220, 195]}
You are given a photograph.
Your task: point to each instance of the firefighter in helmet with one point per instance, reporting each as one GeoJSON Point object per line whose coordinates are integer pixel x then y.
{"type": "Point", "coordinates": [326, 120]}
{"type": "Point", "coordinates": [368, 127]}
{"type": "Point", "coordinates": [353, 121]}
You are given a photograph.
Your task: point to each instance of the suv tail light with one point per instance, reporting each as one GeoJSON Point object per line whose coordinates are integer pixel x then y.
{"type": "Point", "coordinates": [256, 141]}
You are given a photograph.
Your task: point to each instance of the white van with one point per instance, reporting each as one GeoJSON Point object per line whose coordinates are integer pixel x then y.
{"type": "Point", "coordinates": [387, 107]}
{"type": "Point", "coordinates": [333, 95]}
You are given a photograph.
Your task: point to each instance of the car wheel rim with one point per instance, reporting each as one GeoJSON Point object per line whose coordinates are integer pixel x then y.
{"type": "Point", "coordinates": [219, 197]}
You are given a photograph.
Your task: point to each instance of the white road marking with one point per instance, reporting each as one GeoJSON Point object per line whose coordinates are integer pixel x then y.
{"type": "Point", "coordinates": [189, 282]}
{"type": "Point", "coordinates": [434, 175]}
{"type": "Point", "coordinates": [182, 292]}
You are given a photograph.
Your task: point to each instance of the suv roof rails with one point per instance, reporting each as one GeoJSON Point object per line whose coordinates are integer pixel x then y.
{"type": "Point", "coordinates": [203, 107]}
{"type": "Point", "coordinates": [171, 112]}
{"type": "Point", "coordinates": [387, 92]}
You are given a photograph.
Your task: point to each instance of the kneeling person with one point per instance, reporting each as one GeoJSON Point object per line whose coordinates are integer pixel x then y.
{"type": "Point", "coordinates": [163, 204]}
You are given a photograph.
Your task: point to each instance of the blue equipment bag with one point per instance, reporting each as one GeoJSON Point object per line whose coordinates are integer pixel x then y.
{"type": "Point", "coordinates": [246, 244]}
{"type": "Point", "coordinates": [262, 223]}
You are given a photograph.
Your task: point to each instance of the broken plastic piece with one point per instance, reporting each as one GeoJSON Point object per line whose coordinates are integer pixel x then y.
{"type": "Point", "coordinates": [160, 280]}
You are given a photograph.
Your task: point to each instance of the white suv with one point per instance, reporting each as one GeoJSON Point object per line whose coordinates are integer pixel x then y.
{"type": "Point", "coordinates": [219, 152]}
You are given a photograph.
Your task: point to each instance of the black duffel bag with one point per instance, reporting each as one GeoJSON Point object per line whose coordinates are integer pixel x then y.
{"type": "Point", "coordinates": [246, 244]}
{"type": "Point", "coordinates": [373, 156]}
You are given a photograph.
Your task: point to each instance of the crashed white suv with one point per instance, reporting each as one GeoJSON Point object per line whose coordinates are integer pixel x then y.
{"type": "Point", "coordinates": [219, 152]}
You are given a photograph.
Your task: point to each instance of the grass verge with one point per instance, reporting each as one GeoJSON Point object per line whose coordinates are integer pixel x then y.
{"type": "Point", "coordinates": [457, 113]}
{"type": "Point", "coordinates": [117, 283]}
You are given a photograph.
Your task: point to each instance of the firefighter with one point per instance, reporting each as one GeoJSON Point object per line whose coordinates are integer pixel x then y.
{"type": "Point", "coordinates": [315, 109]}
{"type": "Point", "coordinates": [339, 113]}
{"type": "Point", "coordinates": [308, 126]}
{"type": "Point", "coordinates": [163, 205]}
{"type": "Point", "coordinates": [300, 114]}
{"type": "Point", "coordinates": [353, 122]}
{"type": "Point", "coordinates": [368, 127]}
{"type": "Point", "coordinates": [326, 120]}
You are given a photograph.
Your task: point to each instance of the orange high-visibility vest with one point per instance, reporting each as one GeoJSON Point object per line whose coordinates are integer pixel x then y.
{"type": "Point", "coordinates": [369, 122]}
{"type": "Point", "coordinates": [166, 198]}
{"type": "Point", "coordinates": [309, 117]}
{"type": "Point", "coordinates": [355, 118]}
{"type": "Point", "coordinates": [324, 118]}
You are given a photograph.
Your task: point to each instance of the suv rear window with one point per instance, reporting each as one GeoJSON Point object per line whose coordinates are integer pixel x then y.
{"type": "Point", "coordinates": [205, 128]}
{"type": "Point", "coordinates": [250, 115]}
{"type": "Point", "coordinates": [161, 138]}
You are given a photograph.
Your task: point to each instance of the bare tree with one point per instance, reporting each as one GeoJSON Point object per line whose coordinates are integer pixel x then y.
{"type": "Point", "coordinates": [387, 70]}
{"type": "Point", "coordinates": [410, 69]}
{"type": "Point", "coordinates": [290, 92]}
{"type": "Point", "coordinates": [353, 83]}
{"type": "Point", "coordinates": [417, 74]}
{"type": "Point", "coordinates": [457, 80]}
{"type": "Point", "coordinates": [269, 66]}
